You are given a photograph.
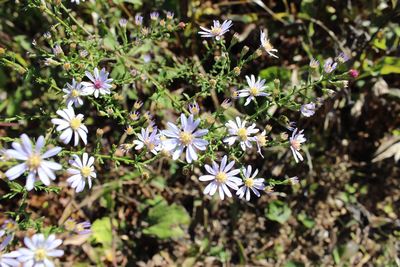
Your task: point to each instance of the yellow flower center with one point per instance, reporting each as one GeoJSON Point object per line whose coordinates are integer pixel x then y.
{"type": "Point", "coordinates": [33, 162]}
{"type": "Point", "coordinates": [186, 138]}
{"type": "Point", "coordinates": [85, 171]}
{"type": "Point", "coordinates": [74, 93]}
{"type": "Point", "coordinates": [254, 91]}
{"type": "Point", "coordinates": [149, 144]}
{"type": "Point", "coordinates": [262, 141]}
{"type": "Point", "coordinates": [75, 123]}
{"type": "Point", "coordinates": [79, 227]}
{"type": "Point", "coordinates": [267, 45]}
{"type": "Point", "coordinates": [221, 177]}
{"type": "Point", "coordinates": [40, 254]}
{"type": "Point", "coordinates": [70, 225]}
{"type": "Point", "coordinates": [249, 182]}
{"type": "Point", "coordinates": [216, 30]}
{"type": "Point", "coordinates": [295, 144]}
{"type": "Point", "coordinates": [242, 133]}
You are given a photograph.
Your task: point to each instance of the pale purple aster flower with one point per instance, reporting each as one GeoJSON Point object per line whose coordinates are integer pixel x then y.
{"type": "Point", "coordinates": [250, 183]}
{"type": "Point", "coordinates": [261, 141]}
{"type": "Point", "coordinates": [81, 171]}
{"type": "Point", "coordinates": [221, 176]}
{"type": "Point", "coordinates": [99, 83]}
{"type": "Point", "coordinates": [57, 50]}
{"type": "Point", "coordinates": [154, 15]}
{"type": "Point", "coordinates": [70, 125]}
{"type": "Point", "coordinates": [194, 108]}
{"type": "Point", "coordinates": [146, 58]}
{"type": "Point", "coordinates": [82, 228]}
{"type": "Point", "coordinates": [265, 43]}
{"type": "Point", "coordinates": [39, 251]}
{"type": "Point", "coordinates": [7, 259]}
{"type": "Point", "coordinates": [308, 110]}
{"type": "Point", "coordinates": [227, 103]}
{"type": "Point", "coordinates": [342, 57]}
{"type": "Point", "coordinates": [123, 22]}
{"type": "Point", "coordinates": [177, 139]}
{"type": "Point", "coordinates": [34, 162]}
{"type": "Point", "coordinates": [329, 65]}
{"type": "Point", "coordinates": [239, 132]}
{"type": "Point", "coordinates": [255, 88]}
{"type": "Point", "coordinates": [73, 94]}
{"type": "Point", "coordinates": [294, 180]}
{"type": "Point", "coordinates": [295, 144]}
{"type": "Point", "coordinates": [170, 15]}
{"type": "Point", "coordinates": [217, 30]}
{"type": "Point", "coordinates": [150, 139]}
{"type": "Point", "coordinates": [314, 63]}
{"type": "Point", "coordinates": [138, 20]}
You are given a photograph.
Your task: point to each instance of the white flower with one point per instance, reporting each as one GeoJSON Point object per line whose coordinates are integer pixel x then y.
{"type": "Point", "coordinates": [267, 45]}
{"type": "Point", "coordinates": [308, 110]}
{"type": "Point", "coordinates": [221, 178]}
{"type": "Point", "coordinates": [77, 1]}
{"type": "Point", "coordinates": [81, 171]}
{"type": "Point", "coordinates": [250, 183]}
{"type": "Point", "coordinates": [7, 259]}
{"type": "Point", "coordinates": [73, 93]}
{"type": "Point", "coordinates": [70, 125]}
{"type": "Point", "coordinates": [99, 83]}
{"type": "Point", "coordinates": [261, 141]}
{"type": "Point", "coordinates": [295, 144]}
{"type": "Point", "coordinates": [217, 30]}
{"type": "Point", "coordinates": [238, 131]}
{"type": "Point", "coordinates": [185, 137]}
{"type": "Point", "coordinates": [34, 161]}
{"type": "Point", "coordinates": [39, 251]}
{"type": "Point", "coordinates": [255, 88]}
{"type": "Point", "coordinates": [150, 139]}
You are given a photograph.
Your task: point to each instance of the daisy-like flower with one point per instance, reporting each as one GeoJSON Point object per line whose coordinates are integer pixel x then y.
{"type": "Point", "coordinates": [177, 139]}
{"type": "Point", "coordinates": [82, 228]}
{"type": "Point", "coordinates": [314, 64]}
{"type": "Point", "coordinates": [77, 1]}
{"type": "Point", "coordinates": [255, 88]}
{"type": "Point", "coordinates": [170, 15]}
{"type": "Point", "coordinates": [295, 144]}
{"type": "Point", "coordinates": [123, 22]}
{"type": "Point", "coordinates": [342, 57]}
{"type": "Point", "coordinates": [81, 171]}
{"type": "Point", "coordinates": [138, 20]}
{"type": "Point", "coordinates": [194, 108]}
{"type": "Point", "coordinates": [73, 94]}
{"type": "Point", "coordinates": [34, 162]}
{"type": "Point", "coordinates": [238, 131]}
{"type": "Point", "coordinates": [39, 251]}
{"type": "Point", "coordinates": [99, 83]}
{"type": "Point", "coordinates": [250, 183]}
{"type": "Point", "coordinates": [154, 15]}
{"type": "Point", "coordinates": [265, 43]}
{"type": "Point", "coordinates": [308, 110]}
{"type": "Point", "coordinates": [221, 176]}
{"type": "Point", "coordinates": [261, 141]}
{"type": "Point", "coordinates": [70, 125]}
{"type": "Point", "coordinates": [150, 139]}
{"type": "Point", "coordinates": [217, 30]}
{"type": "Point", "coordinates": [329, 65]}
{"type": "Point", "coordinates": [7, 259]}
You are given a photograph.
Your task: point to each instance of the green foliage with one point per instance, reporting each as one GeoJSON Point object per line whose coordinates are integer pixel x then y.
{"type": "Point", "coordinates": [166, 221]}
{"type": "Point", "coordinates": [278, 211]}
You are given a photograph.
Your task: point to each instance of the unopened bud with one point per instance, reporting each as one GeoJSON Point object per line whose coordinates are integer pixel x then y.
{"type": "Point", "coordinates": [129, 130]}
{"type": "Point", "coordinates": [67, 66]}
{"type": "Point", "coordinates": [283, 136]}
{"type": "Point", "coordinates": [99, 132]}
{"type": "Point", "coordinates": [213, 83]}
{"type": "Point", "coordinates": [236, 70]}
{"type": "Point", "coordinates": [226, 103]}
{"type": "Point", "coordinates": [182, 25]}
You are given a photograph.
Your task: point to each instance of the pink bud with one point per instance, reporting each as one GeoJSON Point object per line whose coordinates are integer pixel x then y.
{"type": "Point", "coordinates": [354, 73]}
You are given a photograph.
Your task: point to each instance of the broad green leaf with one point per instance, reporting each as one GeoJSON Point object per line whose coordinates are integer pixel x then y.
{"type": "Point", "coordinates": [102, 232]}
{"type": "Point", "coordinates": [167, 221]}
{"type": "Point", "coordinates": [278, 211]}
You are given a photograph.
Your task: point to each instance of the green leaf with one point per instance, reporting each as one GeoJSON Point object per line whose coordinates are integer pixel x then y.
{"type": "Point", "coordinates": [167, 221]}
{"type": "Point", "coordinates": [305, 220]}
{"type": "Point", "coordinates": [102, 232]}
{"type": "Point", "coordinates": [275, 72]}
{"type": "Point", "coordinates": [390, 65]}
{"type": "Point", "coordinates": [278, 211]}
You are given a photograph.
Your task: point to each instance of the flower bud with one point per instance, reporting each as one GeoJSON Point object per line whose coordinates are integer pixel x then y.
{"type": "Point", "coordinates": [129, 130]}
{"type": "Point", "coordinates": [237, 70]}
{"type": "Point", "coordinates": [182, 25]}
{"type": "Point", "coordinates": [99, 132]}
{"type": "Point", "coordinates": [138, 104]}
{"type": "Point", "coordinates": [354, 73]}
{"type": "Point", "coordinates": [226, 103]}
{"type": "Point", "coordinates": [67, 66]}
{"type": "Point", "coordinates": [213, 83]}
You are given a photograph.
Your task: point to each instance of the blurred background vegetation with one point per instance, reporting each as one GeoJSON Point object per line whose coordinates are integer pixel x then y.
{"type": "Point", "coordinates": [344, 211]}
